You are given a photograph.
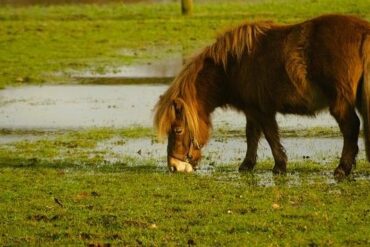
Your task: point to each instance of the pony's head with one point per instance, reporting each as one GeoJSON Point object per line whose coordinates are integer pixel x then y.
{"type": "Point", "coordinates": [183, 148]}
{"type": "Point", "coordinates": [178, 116]}
{"type": "Point", "coordinates": [180, 123]}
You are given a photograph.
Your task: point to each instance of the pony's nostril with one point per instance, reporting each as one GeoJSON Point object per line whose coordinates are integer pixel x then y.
{"type": "Point", "coordinates": [173, 169]}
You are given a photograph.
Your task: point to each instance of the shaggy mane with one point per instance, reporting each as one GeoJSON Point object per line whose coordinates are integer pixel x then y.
{"type": "Point", "coordinates": [234, 43]}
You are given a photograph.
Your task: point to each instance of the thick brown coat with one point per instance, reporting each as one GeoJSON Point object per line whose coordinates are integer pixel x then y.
{"type": "Point", "coordinates": [264, 68]}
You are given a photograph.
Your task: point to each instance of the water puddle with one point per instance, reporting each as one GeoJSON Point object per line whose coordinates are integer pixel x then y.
{"type": "Point", "coordinates": [319, 150]}
{"type": "Point", "coordinates": [117, 106]}
{"type": "Point", "coordinates": [224, 158]}
{"type": "Point", "coordinates": [162, 71]}
{"type": "Point", "coordinates": [76, 106]}
{"type": "Point", "coordinates": [9, 139]}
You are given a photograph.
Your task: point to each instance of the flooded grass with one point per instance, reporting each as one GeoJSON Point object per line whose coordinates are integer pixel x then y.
{"type": "Point", "coordinates": [103, 186]}
{"type": "Point", "coordinates": [108, 146]}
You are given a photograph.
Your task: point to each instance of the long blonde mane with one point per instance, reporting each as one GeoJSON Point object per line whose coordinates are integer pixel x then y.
{"type": "Point", "coordinates": [235, 43]}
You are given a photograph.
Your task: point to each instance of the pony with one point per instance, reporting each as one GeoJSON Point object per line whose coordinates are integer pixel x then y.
{"type": "Point", "coordinates": [261, 69]}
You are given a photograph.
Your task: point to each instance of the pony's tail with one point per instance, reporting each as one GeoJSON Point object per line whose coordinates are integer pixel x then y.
{"type": "Point", "coordinates": [365, 96]}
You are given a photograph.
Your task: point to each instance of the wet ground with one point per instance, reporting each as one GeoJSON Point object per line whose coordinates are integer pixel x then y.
{"type": "Point", "coordinates": [118, 106]}
{"type": "Point", "coordinates": [68, 107]}
{"type": "Point", "coordinates": [158, 72]}
{"type": "Point", "coordinates": [228, 154]}
{"type": "Point", "coordinates": [64, 107]}
{"type": "Point", "coordinates": [319, 150]}
{"type": "Point", "coordinates": [73, 107]}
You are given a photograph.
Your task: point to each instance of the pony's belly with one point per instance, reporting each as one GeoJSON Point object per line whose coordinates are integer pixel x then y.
{"type": "Point", "coordinates": [313, 102]}
{"type": "Point", "coordinates": [301, 109]}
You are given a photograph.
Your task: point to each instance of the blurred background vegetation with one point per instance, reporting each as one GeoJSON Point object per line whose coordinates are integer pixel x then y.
{"type": "Point", "coordinates": [45, 41]}
{"type": "Point", "coordinates": [54, 2]}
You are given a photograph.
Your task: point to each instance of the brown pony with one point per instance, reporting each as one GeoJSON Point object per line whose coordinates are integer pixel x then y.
{"type": "Point", "coordinates": [261, 69]}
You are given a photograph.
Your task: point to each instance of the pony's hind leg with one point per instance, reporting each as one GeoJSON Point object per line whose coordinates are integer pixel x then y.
{"type": "Point", "coordinates": [349, 125]}
{"type": "Point", "coordinates": [253, 132]}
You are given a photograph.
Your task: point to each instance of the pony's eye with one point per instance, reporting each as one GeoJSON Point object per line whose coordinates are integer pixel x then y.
{"type": "Point", "coordinates": [178, 130]}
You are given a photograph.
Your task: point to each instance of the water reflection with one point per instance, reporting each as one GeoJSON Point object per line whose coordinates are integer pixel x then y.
{"type": "Point", "coordinates": [162, 71]}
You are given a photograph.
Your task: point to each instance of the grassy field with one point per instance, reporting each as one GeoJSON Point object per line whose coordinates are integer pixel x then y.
{"type": "Point", "coordinates": [46, 206]}
{"type": "Point", "coordinates": [59, 189]}
{"type": "Point", "coordinates": [41, 44]}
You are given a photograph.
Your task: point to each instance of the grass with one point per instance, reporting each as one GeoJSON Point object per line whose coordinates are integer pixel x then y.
{"type": "Point", "coordinates": [60, 190]}
{"type": "Point", "coordinates": [227, 132]}
{"type": "Point", "coordinates": [47, 43]}
{"type": "Point", "coordinates": [64, 148]}
{"type": "Point", "coordinates": [45, 206]}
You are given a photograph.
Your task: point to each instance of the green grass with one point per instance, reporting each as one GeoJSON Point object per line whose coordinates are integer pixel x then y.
{"type": "Point", "coordinates": [39, 41]}
{"type": "Point", "coordinates": [227, 132]}
{"type": "Point", "coordinates": [46, 206]}
{"type": "Point", "coordinates": [60, 190]}
{"type": "Point", "coordinates": [65, 148]}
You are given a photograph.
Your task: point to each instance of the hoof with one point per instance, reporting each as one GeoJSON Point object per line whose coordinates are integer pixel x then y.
{"type": "Point", "coordinates": [245, 168]}
{"type": "Point", "coordinates": [278, 170]}
{"type": "Point", "coordinates": [340, 173]}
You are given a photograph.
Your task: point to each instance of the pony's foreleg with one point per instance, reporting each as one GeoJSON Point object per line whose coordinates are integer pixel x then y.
{"type": "Point", "coordinates": [349, 125]}
{"type": "Point", "coordinates": [253, 132]}
{"type": "Point", "coordinates": [271, 131]}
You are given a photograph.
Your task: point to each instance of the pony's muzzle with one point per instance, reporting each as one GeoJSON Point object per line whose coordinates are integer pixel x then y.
{"type": "Point", "coordinates": [176, 165]}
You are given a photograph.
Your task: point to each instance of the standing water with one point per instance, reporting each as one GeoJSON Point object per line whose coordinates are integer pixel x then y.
{"type": "Point", "coordinates": [118, 106]}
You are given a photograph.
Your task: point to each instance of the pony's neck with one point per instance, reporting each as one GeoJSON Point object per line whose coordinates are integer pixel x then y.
{"type": "Point", "coordinates": [210, 90]}
{"type": "Point", "coordinates": [210, 87]}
